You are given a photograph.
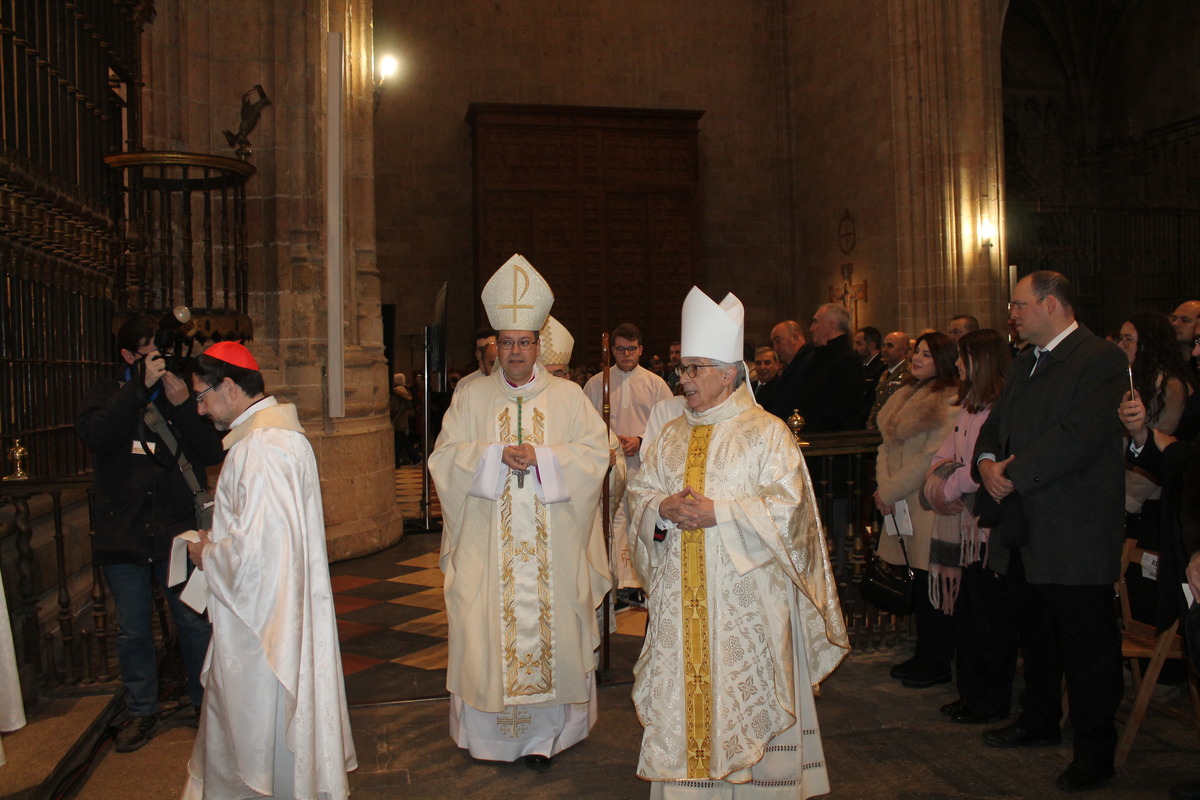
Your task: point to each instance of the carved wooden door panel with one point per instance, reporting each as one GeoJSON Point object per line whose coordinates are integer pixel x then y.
{"type": "Point", "coordinates": [603, 202]}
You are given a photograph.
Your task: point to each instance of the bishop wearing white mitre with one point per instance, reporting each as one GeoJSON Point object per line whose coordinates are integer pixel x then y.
{"type": "Point", "coordinates": [518, 468]}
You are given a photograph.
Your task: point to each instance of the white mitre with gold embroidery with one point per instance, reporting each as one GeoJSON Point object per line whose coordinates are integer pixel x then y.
{"type": "Point", "coordinates": [517, 298]}
{"type": "Point", "coordinates": [557, 343]}
{"type": "Point", "coordinates": [712, 330]}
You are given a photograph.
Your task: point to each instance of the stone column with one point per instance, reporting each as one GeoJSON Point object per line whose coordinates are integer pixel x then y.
{"type": "Point", "coordinates": [200, 56]}
{"type": "Point", "coordinates": [946, 111]}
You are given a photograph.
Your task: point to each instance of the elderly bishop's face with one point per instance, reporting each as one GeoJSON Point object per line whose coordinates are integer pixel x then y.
{"type": "Point", "coordinates": [518, 353]}
{"type": "Point", "coordinates": [705, 385]}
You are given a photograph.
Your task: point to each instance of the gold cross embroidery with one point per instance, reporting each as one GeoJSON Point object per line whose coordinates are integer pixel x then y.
{"type": "Point", "coordinates": [525, 550]}
{"type": "Point", "coordinates": [528, 663]}
{"type": "Point", "coordinates": [514, 724]}
{"type": "Point", "coordinates": [518, 272]}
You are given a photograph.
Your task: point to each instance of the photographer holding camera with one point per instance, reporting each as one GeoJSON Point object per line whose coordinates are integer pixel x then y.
{"type": "Point", "coordinates": [141, 500]}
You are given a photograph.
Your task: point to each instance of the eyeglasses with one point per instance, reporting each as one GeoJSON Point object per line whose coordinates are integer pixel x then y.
{"type": "Point", "coordinates": [691, 369]}
{"type": "Point", "coordinates": [520, 344]}
{"type": "Point", "coordinates": [200, 396]}
{"type": "Point", "coordinates": [621, 349]}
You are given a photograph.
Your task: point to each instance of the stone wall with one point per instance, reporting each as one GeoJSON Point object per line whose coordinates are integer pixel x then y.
{"type": "Point", "coordinates": [884, 110]}
{"type": "Point", "coordinates": [679, 54]}
{"type": "Point", "coordinates": [199, 57]}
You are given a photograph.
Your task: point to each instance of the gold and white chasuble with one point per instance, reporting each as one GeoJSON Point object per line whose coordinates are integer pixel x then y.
{"type": "Point", "coordinates": [744, 617]}
{"type": "Point", "coordinates": [524, 564]}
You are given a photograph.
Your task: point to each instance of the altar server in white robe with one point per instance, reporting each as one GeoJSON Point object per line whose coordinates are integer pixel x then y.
{"type": "Point", "coordinates": [633, 392]}
{"type": "Point", "coordinates": [556, 344]}
{"type": "Point", "coordinates": [743, 609]}
{"type": "Point", "coordinates": [274, 721]}
{"type": "Point", "coordinates": [518, 468]}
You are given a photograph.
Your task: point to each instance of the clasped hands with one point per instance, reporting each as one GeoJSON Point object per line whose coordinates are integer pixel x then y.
{"type": "Point", "coordinates": [994, 479]}
{"type": "Point", "coordinates": [689, 510]}
{"type": "Point", "coordinates": [519, 457]}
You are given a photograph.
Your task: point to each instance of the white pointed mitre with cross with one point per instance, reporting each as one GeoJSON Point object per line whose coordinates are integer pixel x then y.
{"type": "Point", "coordinates": [557, 343]}
{"type": "Point", "coordinates": [712, 330]}
{"type": "Point", "coordinates": [517, 298]}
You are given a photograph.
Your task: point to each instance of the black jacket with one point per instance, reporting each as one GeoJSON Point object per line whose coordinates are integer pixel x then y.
{"type": "Point", "coordinates": [830, 397]}
{"type": "Point", "coordinates": [1062, 426]}
{"type": "Point", "coordinates": [138, 505]}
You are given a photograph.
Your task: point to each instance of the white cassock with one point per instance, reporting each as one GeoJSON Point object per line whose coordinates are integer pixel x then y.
{"type": "Point", "coordinates": [274, 720]}
{"type": "Point", "coordinates": [631, 397]}
{"type": "Point", "coordinates": [725, 692]}
{"type": "Point", "coordinates": [524, 565]}
{"type": "Point", "coordinates": [12, 710]}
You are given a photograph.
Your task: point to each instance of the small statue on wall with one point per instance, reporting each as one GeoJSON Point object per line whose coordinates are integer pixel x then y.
{"type": "Point", "coordinates": [251, 111]}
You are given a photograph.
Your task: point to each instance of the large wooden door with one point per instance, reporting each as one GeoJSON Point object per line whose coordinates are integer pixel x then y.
{"type": "Point", "coordinates": [603, 202]}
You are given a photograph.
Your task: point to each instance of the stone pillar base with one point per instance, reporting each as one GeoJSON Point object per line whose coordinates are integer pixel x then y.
{"type": "Point", "coordinates": [362, 537]}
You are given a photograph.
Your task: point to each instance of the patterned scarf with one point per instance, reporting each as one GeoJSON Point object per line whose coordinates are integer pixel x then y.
{"type": "Point", "coordinates": [957, 539]}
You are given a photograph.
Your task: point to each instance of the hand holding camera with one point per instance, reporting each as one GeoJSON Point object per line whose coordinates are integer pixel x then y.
{"type": "Point", "coordinates": [153, 367]}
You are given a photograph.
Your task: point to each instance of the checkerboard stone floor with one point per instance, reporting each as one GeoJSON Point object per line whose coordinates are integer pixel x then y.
{"type": "Point", "coordinates": [392, 615]}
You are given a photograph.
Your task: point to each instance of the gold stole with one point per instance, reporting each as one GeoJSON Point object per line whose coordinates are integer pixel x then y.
{"type": "Point", "coordinates": [697, 677]}
{"type": "Point", "coordinates": [526, 579]}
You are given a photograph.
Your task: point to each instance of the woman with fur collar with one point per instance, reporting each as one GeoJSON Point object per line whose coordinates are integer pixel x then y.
{"type": "Point", "coordinates": [913, 423]}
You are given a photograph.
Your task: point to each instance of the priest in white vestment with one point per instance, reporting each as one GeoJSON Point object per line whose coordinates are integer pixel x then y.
{"type": "Point", "coordinates": [518, 468]}
{"type": "Point", "coordinates": [744, 615]}
{"type": "Point", "coordinates": [633, 392]}
{"type": "Point", "coordinates": [274, 722]}
{"type": "Point", "coordinates": [12, 710]}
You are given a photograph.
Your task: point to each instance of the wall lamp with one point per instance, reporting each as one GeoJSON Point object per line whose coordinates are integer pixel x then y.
{"type": "Point", "coordinates": [385, 69]}
{"type": "Point", "coordinates": [987, 231]}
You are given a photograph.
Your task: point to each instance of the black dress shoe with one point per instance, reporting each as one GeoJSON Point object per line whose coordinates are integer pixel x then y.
{"type": "Point", "coordinates": [1188, 790]}
{"type": "Point", "coordinates": [1079, 777]}
{"type": "Point", "coordinates": [1016, 735]}
{"type": "Point", "coordinates": [903, 669]}
{"type": "Point", "coordinates": [968, 716]}
{"type": "Point", "coordinates": [925, 676]}
{"type": "Point", "coordinates": [538, 763]}
{"type": "Point", "coordinates": [953, 708]}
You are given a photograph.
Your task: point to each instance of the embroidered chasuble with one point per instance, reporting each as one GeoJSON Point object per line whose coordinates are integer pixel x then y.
{"type": "Point", "coordinates": [743, 616]}
{"type": "Point", "coordinates": [523, 558]}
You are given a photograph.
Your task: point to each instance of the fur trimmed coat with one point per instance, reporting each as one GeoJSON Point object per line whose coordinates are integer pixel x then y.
{"type": "Point", "coordinates": [913, 423]}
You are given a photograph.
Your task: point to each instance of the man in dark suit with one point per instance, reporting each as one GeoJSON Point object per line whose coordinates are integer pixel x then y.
{"type": "Point", "coordinates": [867, 343]}
{"type": "Point", "coordinates": [794, 353]}
{"type": "Point", "coordinates": [830, 396]}
{"type": "Point", "coordinates": [766, 374]}
{"type": "Point", "coordinates": [1051, 454]}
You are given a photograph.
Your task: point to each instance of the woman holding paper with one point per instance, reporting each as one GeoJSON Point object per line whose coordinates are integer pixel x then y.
{"type": "Point", "coordinates": [913, 423]}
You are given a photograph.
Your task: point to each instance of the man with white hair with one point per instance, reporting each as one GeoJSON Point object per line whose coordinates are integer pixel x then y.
{"type": "Point", "coordinates": [518, 467]}
{"type": "Point", "coordinates": [830, 397]}
{"type": "Point", "coordinates": [744, 614]}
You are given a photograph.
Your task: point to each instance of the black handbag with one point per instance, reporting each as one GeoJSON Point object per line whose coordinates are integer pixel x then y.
{"type": "Point", "coordinates": [887, 586]}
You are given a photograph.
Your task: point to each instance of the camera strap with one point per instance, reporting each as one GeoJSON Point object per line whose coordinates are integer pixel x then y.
{"type": "Point", "coordinates": [158, 424]}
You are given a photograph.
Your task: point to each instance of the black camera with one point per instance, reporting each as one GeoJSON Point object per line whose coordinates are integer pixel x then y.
{"type": "Point", "coordinates": [174, 341]}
